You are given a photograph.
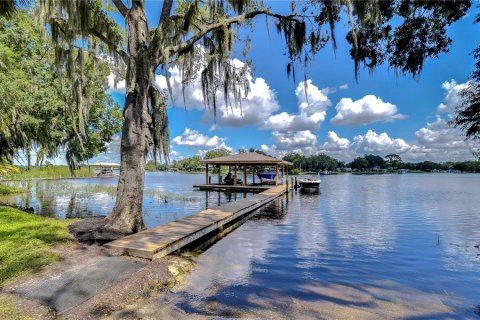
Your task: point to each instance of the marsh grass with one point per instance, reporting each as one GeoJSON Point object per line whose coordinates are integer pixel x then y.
{"type": "Point", "coordinates": [27, 241]}
{"type": "Point", "coordinates": [5, 190]}
{"type": "Point", "coordinates": [50, 172]}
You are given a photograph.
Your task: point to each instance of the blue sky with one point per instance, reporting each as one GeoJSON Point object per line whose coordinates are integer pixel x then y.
{"type": "Point", "coordinates": [383, 113]}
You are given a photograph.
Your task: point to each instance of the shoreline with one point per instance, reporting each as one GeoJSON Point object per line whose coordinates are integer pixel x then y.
{"type": "Point", "coordinates": [147, 279]}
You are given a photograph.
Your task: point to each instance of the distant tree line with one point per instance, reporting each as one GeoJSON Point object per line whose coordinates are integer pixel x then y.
{"type": "Point", "coordinates": [323, 162]}
{"type": "Point", "coordinates": [319, 162]}
{"type": "Point", "coordinates": [188, 164]}
{"type": "Point", "coordinates": [371, 162]}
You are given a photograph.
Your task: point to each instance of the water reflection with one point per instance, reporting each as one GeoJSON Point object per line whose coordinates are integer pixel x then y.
{"type": "Point", "coordinates": [167, 197]}
{"type": "Point", "coordinates": [368, 247]}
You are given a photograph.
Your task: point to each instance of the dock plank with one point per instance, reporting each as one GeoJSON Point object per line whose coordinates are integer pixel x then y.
{"type": "Point", "coordinates": [167, 238]}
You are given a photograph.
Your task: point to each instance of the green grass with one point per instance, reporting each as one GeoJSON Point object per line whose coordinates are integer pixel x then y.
{"type": "Point", "coordinates": [4, 190]}
{"type": "Point", "coordinates": [26, 241]}
{"type": "Point", "coordinates": [51, 172]}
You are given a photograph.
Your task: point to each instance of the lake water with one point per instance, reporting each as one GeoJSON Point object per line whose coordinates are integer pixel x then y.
{"type": "Point", "coordinates": [167, 196]}
{"type": "Point", "coordinates": [368, 247]}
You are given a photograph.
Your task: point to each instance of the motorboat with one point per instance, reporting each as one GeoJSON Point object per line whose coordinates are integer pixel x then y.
{"type": "Point", "coordinates": [310, 184]}
{"type": "Point", "coordinates": [268, 177]}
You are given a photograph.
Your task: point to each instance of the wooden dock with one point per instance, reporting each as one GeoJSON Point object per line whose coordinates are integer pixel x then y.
{"type": "Point", "coordinates": [162, 240]}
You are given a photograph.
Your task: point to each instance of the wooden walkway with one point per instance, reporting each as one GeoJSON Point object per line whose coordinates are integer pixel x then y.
{"type": "Point", "coordinates": [162, 240]}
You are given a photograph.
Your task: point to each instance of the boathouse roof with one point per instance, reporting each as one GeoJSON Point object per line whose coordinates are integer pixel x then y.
{"type": "Point", "coordinates": [246, 158]}
{"type": "Point", "coordinates": [105, 164]}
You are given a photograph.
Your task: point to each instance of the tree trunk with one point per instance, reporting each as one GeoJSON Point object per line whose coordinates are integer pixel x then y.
{"type": "Point", "coordinates": [29, 158]}
{"type": "Point", "coordinates": [127, 216]}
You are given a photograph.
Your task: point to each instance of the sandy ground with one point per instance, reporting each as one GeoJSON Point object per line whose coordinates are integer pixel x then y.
{"type": "Point", "coordinates": [338, 302]}
{"type": "Point", "coordinates": [150, 280]}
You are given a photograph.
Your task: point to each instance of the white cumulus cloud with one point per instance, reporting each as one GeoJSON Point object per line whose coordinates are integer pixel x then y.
{"type": "Point", "coordinates": [118, 87]}
{"type": "Point", "coordinates": [259, 103]}
{"type": "Point", "coordinates": [452, 100]}
{"type": "Point", "coordinates": [193, 138]}
{"type": "Point", "coordinates": [334, 143]}
{"type": "Point", "coordinates": [372, 142]}
{"type": "Point", "coordinates": [312, 109]}
{"type": "Point", "coordinates": [366, 110]}
{"type": "Point", "coordinates": [294, 139]}
{"type": "Point", "coordinates": [439, 141]}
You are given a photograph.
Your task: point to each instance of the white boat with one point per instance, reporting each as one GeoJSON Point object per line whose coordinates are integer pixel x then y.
{"type": "Point", "coordinates": [310, 184]}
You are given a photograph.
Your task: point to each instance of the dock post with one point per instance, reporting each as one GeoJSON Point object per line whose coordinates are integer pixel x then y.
{"type": "Point", "coordinates": [286, 173]}
{"type": "Point", "coordinates": [244, 175]}
{"type": "Point", "coordinates": [235, 176]}
{"type": "Point", "coordinates": [206, 174]}
{"type": "Point", "coordinates": [276, 174]}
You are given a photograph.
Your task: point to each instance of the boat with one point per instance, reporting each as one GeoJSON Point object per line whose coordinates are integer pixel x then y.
{"type": "Point", "coordinates": [105, 169]}
{"type": "Point", "coordinates": [268, 177]}
{"type": "Point", "coordinates": [106, 173]}
{"type": "Point", "coordinates": [309, 185]}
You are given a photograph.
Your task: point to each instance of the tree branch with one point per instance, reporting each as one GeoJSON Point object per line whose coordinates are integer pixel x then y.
{"type": "Point", "coordinates": [94, 32]}
{"type": "Point", "coordinates": [173, 50]}
{"type": "Point", "coordinates": [111, 45]}
{"type": "Point", "coordinates": [166, 9]}
{"type": "Point", "coordinates": [121, 7]}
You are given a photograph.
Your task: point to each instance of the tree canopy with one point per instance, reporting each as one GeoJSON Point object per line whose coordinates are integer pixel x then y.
{"type": "Point", "coordinates": [467, 115]}
{"type": "Point", "coordinates": [320, 162]}
{"type": "Point", "coordinates": [34, 108]}
{"type": "Point", "coordinates": [215, 153]}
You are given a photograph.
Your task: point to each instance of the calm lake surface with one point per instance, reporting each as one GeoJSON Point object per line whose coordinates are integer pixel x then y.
{"type": "Point", "coordinates": [167, 196]}
{"type": "Point", "coordinates": [367, 247]}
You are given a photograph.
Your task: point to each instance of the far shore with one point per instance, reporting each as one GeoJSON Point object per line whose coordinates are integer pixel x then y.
{"type": "Point", "coordinates": [59, 173]}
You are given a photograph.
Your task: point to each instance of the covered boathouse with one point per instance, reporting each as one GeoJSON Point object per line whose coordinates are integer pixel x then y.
{"type": "Point", "coordinates": [265, 172]}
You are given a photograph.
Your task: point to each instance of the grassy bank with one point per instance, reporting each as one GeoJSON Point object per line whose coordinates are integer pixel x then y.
{"type": "Point", "coordinates": [50, 172]}
{"type": "Point", "coordinates": [27, 241]}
